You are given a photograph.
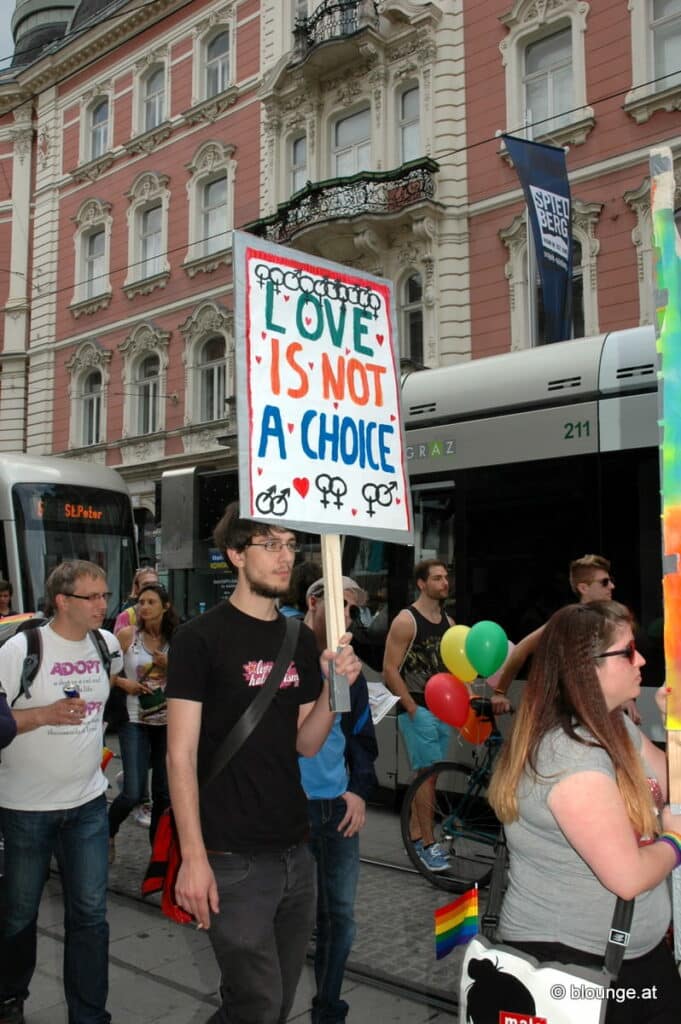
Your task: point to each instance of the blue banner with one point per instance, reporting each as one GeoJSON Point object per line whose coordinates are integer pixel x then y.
{"type": "Point", "coordinates": [543, 176]}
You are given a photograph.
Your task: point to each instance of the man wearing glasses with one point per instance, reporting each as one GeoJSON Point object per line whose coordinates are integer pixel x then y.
{"type": "Point", "coordinates": [52, 794]}
{"type": "Point", "coordinates": [590, 580]}
{"type": "Point", "coordinates": [247, 874]}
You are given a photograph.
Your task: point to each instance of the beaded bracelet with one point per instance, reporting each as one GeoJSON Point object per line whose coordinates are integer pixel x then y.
{"type": "Point", "coordinates": [673, 839]}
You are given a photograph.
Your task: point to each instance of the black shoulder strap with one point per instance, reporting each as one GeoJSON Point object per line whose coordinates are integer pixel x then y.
{"type": "Point", "coordinates": [104, 652]}
{"type": "Point", "coordinates": [29, 669]}
{"type": "Point", "coordinates": [240, 732]}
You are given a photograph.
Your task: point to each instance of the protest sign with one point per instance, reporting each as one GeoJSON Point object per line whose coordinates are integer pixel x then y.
{"type": "Point", "coordinates": [321, 444]}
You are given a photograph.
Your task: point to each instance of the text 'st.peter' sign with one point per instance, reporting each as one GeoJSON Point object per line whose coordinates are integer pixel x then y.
{"type": "Point", "coordinates": [318, 395]}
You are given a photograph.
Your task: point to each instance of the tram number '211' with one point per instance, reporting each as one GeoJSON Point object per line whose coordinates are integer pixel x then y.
{"type": "Point", "coordinates": [575, 431]}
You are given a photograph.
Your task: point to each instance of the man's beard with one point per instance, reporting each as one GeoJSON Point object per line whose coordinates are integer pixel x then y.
{"type": "Point", "coordinates": [262, 590]}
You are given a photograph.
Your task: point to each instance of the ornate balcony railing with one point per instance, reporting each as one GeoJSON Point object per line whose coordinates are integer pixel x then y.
{"type": "Point", "coordinates": [369, 192]}
{"type": "Point", "coordinates": [333, 19]}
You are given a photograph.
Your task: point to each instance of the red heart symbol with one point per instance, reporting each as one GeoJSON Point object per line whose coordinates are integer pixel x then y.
{"type": "Point", "coordinates": [311, 365]}
{"type": "Point", "coordinates": [302, 485]}
{"type": "Point", "coordinates": [354, 511]}
{"type": "Point", "coordinates": [259, 471]}
{"type": "Point", "coordinates": [347, 351]}
{"type": "Point", "coordinates": [379, 339]}
{"type": "Point", "coordinates": [286, 298]}
{"type": "Point", "coordinates": [258, 359]}
{"type": "Point", "coordinates": [263, 335]}
{"type": "Point", "coordinates": [397, 501]}
{"type": "Point", "coordinates": [392, 418]}
{"type": "Point", "coordinates": [308, 321]}
{"type": "Point", "coordinates": [335, 405]}
{"type": "Point", "coordinates": [291, 427]}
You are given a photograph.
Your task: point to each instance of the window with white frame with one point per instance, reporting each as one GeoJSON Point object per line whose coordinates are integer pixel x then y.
{"type": "Point", "coordinates": [409, 124]}
{"type": "Point", "coordinates": [212, 370]}
{"type": "Point", "coordinates": [147, 233]}
{"type": "Point", "coordinates": [217, 64]}
{"type": "Point", "coordinates": [92, 408]}
{"type": "Point", "coordinates": [299, 175]}
{"type": "Point", "coordinates": [214, 215]}
{"type": "Point", "coordinates": [209, 363]}
{"type": "Point", "coordinates": [145, 367]}
{"type": "Point", "coordinates": [94, 253]}
{"type": "Point", "coordinates": [545, 67]}
{"type": "Point", "coordinates": [548, 82]}
{"type": "Point", "coordinates": [99, 128]}
{"type": "Point", "coordinates": [655, 60]}
{"type": "Point", "coordinates": [154, 98]}
{"type": "Point", "coordinates": [411, 310]}
{"type": "Point", "coordinates": [211, 206]}
{"type": "Point", "coordinates": [87, 389]}
{"type": "Point", "coordinates": [666, 39]}
{"type": "Point", "coordinates": [351, 145]}
{"type": "Point", "coordinates": [148, 394]}
{"type": "Point", "coordinates": [92, 242]}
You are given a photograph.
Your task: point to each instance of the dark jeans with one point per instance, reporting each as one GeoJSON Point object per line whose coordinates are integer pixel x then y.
{"type": "Point", "coordinates": [654, 970]}
{"type": "Point", "coordinates": [261, 933]}
{"type": "Point", "coordinates": [337, 872]}
{"type": "Point", "coordinates": [142, 747]}
{"type": "Point", "coordinates": [79, 839]}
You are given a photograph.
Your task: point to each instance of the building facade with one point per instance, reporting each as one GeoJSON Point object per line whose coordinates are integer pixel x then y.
{"type": "Point", "coordinates": [133, 138]}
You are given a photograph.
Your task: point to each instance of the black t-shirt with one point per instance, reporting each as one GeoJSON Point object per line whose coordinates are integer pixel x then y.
{"type": "Point", "coordinates": [221, 659]}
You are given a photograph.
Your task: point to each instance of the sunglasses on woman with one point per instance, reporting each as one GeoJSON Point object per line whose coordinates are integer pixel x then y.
{"type": "Point", "coordinates": [625, 652]}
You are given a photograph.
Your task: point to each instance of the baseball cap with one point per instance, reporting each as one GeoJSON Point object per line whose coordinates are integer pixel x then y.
{"type": "Point", "coordinates": [316, 589]}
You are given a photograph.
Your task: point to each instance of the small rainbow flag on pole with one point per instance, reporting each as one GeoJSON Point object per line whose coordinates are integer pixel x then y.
{"type": "Point", "coordinates": [456, 923]}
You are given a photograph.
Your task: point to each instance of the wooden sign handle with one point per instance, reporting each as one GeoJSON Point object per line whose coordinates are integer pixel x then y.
{"type": "Point", "coordinates": [334, 608]}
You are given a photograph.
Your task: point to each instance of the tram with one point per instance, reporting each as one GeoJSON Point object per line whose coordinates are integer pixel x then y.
{"type": "Point", "coordinates": [519, 463]}
{"type": "Point", "coordinates": [53, 509]}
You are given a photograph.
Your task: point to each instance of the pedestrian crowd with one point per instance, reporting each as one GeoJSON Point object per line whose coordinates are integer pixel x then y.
{"type": "Point", "coordinates": [269, 787]}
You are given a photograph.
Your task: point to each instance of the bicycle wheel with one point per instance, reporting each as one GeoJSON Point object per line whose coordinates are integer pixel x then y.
{"type": "Point", "coordinates": [464, 825]}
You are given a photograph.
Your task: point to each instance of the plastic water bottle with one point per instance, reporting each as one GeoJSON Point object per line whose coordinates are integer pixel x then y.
{"type": "Point", "coordinates": [202, 607]}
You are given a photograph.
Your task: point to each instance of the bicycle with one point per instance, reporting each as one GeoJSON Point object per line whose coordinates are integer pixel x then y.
{"type": "Point", "coordinates": [464, 824]}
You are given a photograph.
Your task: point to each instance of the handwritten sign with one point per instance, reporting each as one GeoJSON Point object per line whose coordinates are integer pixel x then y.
{"type": "Point", "coordinates": [321, 444]}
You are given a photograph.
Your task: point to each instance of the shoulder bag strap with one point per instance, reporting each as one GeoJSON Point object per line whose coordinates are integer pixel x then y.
{"type": "Point", "coordinates": [618, 936]}
{"type": "Point", "coordinates": [240, 732]}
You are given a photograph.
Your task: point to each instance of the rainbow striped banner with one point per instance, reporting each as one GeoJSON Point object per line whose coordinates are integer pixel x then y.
{"type": "Point", "coordinates": [456, 923]}
{"type": "Point", "coordinates": [668, 306]}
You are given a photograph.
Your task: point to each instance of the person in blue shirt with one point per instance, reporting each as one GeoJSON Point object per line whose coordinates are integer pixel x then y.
{"type": "Point", "coordinates": [337, 782]}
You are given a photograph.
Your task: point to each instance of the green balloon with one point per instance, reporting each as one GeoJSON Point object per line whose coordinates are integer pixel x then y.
{"type": "Point", "coordinates": [486, 647]}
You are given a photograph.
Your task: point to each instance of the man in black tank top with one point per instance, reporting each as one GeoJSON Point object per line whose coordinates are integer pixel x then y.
{"type": "Point", "coordinates": [412, 656]}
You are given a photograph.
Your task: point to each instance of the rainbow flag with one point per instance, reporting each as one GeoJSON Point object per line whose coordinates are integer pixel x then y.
{"type": "Point", "coordinates": [456, 923]}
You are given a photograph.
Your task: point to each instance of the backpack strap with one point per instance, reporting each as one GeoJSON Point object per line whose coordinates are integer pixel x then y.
{"type": "Point", "coordinates": [29, 669]}
{"type": "Point", "coordinates": [104, 653]}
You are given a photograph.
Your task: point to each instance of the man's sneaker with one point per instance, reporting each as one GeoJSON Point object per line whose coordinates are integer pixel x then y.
{"type": "Point", "coordinates": [432, 856]}
{"type": "Point", "coordinates": [12, 1011]}
{"type": "Point", "coordinates": [143, 815]}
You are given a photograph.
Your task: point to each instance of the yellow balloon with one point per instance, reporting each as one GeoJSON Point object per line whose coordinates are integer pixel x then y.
{"type": "Point", "coordinates": [453, 653]}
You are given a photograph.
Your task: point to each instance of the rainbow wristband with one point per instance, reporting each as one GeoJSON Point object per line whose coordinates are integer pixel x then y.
{"type": "Point", "coordinates": [673, 839]}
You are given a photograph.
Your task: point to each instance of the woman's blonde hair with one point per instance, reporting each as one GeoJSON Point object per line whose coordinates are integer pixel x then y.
{"type": "Point", "coordinates": [563, 692]}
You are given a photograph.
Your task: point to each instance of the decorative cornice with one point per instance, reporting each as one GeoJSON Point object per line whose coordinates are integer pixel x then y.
{"type": "Point", "coordinates": [209, 318]}
{"type": "Point", "coordinates": [207, 264]}
{"type": "Point", "coordinates": [210, 110]}
{"type": "Point", "coordinates": [92, 212]}
{"type": "Point", "coordinates": [88, 306]}
{"type": "Point", "coordinates": [642, 105]}
{"type": "Point", "coordinates": [145, 339]}
{"type": "Point", "coordinates": [93, 169]}
{"type": "Point", "coordinates": [146, 285]}
{"type": "Point", "coordinates": [89, 355]}
{"type": "Point", "coordinates": [148, 141]}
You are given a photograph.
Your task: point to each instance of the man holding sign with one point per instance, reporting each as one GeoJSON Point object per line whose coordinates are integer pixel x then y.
{"type": "Point", "coordinates": [247, 875]}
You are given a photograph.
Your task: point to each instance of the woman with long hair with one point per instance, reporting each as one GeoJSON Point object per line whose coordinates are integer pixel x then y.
{"type": "Point", "coordinates": [582, 794]}
{"type": "Point", "coordinates": [143, 737]}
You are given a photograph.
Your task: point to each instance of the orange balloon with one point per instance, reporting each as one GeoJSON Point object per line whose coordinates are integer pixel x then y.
{"type": "Point", "coordinates": [475, 730]}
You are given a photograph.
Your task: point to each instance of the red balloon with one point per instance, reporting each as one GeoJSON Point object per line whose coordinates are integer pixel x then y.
{"type": "Point", "coordinates": [474, 729]}
{"type": "Point", "coordinates": [448, 698]}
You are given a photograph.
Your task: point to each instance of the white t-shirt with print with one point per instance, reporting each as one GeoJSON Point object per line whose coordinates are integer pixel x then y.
{"type": "Point", "coordinates": [56, 766]}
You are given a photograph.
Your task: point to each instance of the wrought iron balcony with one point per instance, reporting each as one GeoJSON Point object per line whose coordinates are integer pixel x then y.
{"type": "Point", "coordinates": [369, 193]}
{"type": "Point", "coordinates": [333, 19]}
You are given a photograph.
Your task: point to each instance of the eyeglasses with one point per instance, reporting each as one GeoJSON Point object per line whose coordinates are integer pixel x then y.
{"type": "Point", "coordinates": [92, 597]}
{"type": "Point", "coordinates": [275, 546]}
{"type": "Point", "coordinates": [605, 581]}
{"type": "Point", "coordinates": [625, 652]}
